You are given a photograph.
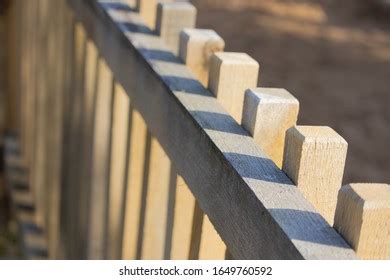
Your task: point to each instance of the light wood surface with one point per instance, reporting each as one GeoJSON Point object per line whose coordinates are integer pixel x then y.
{"type": "Point", "coordinates": [138, 158]}
{"type": "Point", "coordinates": [172, 18]}
{"type": "Point", "coordinates": [231, 74]}
{"type": "Point", "coordinates": [314, 158]}
{"type": "Point", "coordinates": [119, 149]}
{"type": "Point", "coordinates": [363, 218]}
{"type": "Point", "coordinates": [100, 164]}
{"type": "Point", "coordinates": [234, 182]}
{"type": "Point", "coordinates": [267, 114]}
{"type": "Point", "coordinates": [196, 49]}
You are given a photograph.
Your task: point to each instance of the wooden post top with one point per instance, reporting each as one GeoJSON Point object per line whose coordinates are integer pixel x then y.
{"type": "Point", "coordinates": [231, 74]}
{"type": "Point", "coordinates": [272, 95]}
{"type": "Point", "coordinates": [171, 19]}
{"type": "Point", "coordinates": [314, 159]}
{"type": "Point", "coordinates": [206, 36]}
{"type": "Point", "coordinates": [369, 196]}
{"type": "Point", "coordinates": [363, 219]}
{"type": "Point", "coordinates": [196, 48]}
{"type": "Point", "coordinates": [270, 111]}
{"type": "Point", "coordinates": [235, 58]}
{"type": "Point", "coordinates": [319, 134]}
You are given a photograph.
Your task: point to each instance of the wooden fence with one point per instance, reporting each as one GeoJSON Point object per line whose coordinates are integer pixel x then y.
{"type": "Point", "coordinates": [139, 138]}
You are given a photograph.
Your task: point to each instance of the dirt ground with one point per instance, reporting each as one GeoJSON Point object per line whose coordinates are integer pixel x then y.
{"type": "Point", "coordinates": [334, 56]}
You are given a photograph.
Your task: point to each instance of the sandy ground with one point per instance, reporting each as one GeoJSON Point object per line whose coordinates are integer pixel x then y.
{"type": "Point", "coordinates": [334, 56]}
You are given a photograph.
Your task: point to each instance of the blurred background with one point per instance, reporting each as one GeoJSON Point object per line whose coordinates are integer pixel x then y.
{"type": "Point", "coordinates": [333, 55]}
{"type": "Point", "coordinates": [9, 248]}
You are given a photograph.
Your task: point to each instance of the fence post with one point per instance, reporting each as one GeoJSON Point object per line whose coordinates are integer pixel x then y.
{"type": "Point", "coordinates": [172, 18]}
{"type": "Point", "coordinates": [363, 219]}
{"type": "Point", "coordinates": [231, 74]}
{"type": "Point", "coordinates": [314, 159]}
{"type": "Point", "coordinates": [196, 49]}
{"type": "Point", "coordinates": [119, 146]}
{"type": "Point", "coordinates": [267, 114]}
{"type": "Point", "coordinates": [98, 212]}
{"type": "Point", "coordinates": [138, 156]}
{"type": "Point", "coordinates": [148, 11]}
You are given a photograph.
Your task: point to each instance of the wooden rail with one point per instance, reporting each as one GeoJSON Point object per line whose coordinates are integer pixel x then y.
{"type": "Point", "coordinates": [132, 141]}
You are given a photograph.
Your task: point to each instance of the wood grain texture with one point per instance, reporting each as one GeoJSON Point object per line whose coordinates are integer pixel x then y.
{"type": "Point", "coordinates": [196, 48]}
{"type": "Point", "coordinates": [231, 74]}
{"type": "Point", "coordinates": [363, 218]}
{"type": "Point", "coordinates": [172, 18]}
{"type": "Point", "coordinates": [256, 209]}
{"type": "Point", "coordinates": [270, 112]}
{"type": "Point", "coordinates": [314, 158]}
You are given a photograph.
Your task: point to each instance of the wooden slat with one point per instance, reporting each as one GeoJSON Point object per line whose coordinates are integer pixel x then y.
{"type": "Point", "coordinates": [22, 42]}
{"type": "Point", "coordinates": [100, 166]}
{"type": "Point", "coordinates": [196, 48]}
{"type": "Point", "coordinates": [156, 187]}
{"type": "Point", "coordinates": [56, 80]}
{"type": "Point", "coordinates": [86, 142]}
{"type": "Point", "coordinates": [270, 112]}
{"type": "Point", "coordinates": [73, 153]}
{"type": "Point", "coordinates": [211, 245]}
{"type": "Point", "coordinates": [172, 18]}
{"type": "Point", "coordinates": [148, 11]}
{"type": "Point", "coordinates": [231, 74]}
{"type": "Point", "coordinates": [234, 182]}
{"type": "Point", "coordinates": [40, 152]}
{"type": "Point", "coordinates": [119, 144]}
{"type": "Point", "coordinates": [31, 76]}
{"type": "Point", "coordinates": [71, 83]}
{"type": "Point", "coordinates": [138, 156]}
{"type": "Point", "coordinates": [363, 218]}
{"type": "Point", "coordinates": [154, 224]}
{"type": "Point", "coordinates": [183, 221]}
{"type": "Point", "coordinates": [314, 159]}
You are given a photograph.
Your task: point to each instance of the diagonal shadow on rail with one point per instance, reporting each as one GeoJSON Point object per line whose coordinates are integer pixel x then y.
{"type": "Point", "coordinates": [246, 165]}
{"type": "Point", "coordinates": [299, 215]}
{"type": "Point", "coordinates": [120, 14]}
{"type": "Point", "coordinates": [218, 125]}
{"type": "Point", "coordinates": [116, 5]}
